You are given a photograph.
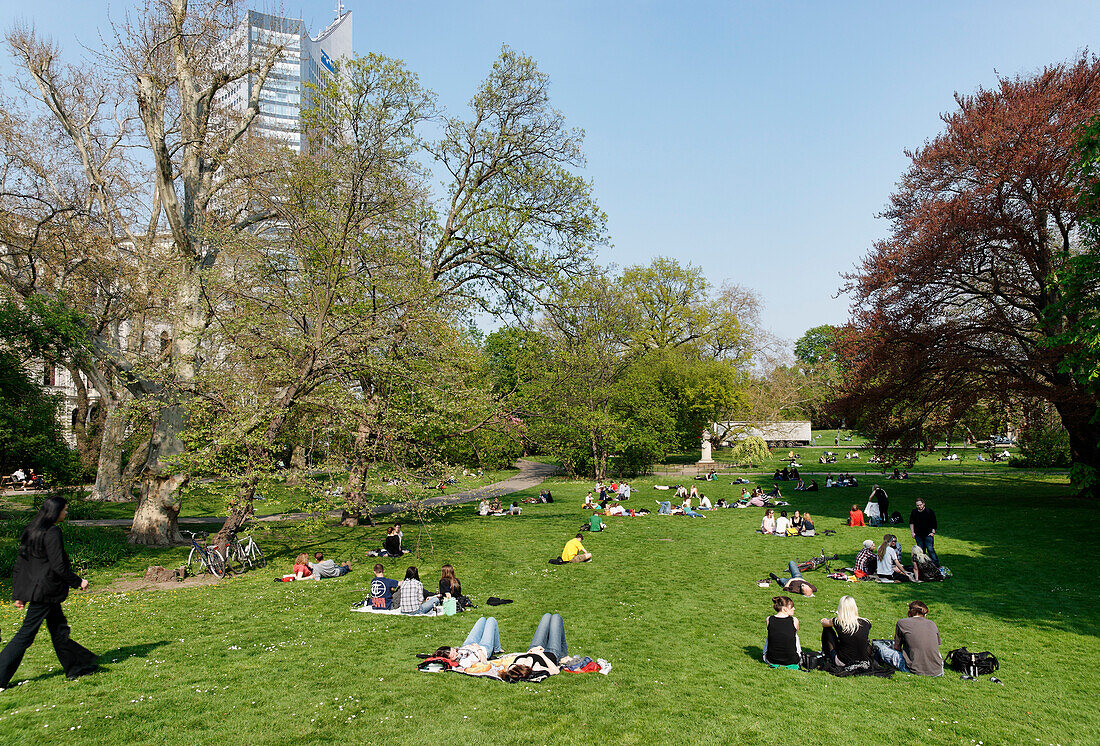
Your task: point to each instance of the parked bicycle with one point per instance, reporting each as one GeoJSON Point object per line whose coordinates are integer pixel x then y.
{"type": "Point", "coordinates": [247, 553]}
{"type": "Point", "coordinates": [203, 557]}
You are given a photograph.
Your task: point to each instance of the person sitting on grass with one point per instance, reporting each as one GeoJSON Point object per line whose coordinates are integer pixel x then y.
{"type": "Point", "coordinates": [795, 583]}
{"type": "Point", "coordinates": [866, 561]}
{"type": "Point", "coordinates": [301, 570]}
{"type": "Point", "coordinates": [782, 524]}
{"type": "Point", "coordinates": [807, 526]}
{"type": "Point", "coordinates": [889, 561]}
{"type": "Point", "coordinates": [796, 524]}
{"type": "Point", "coordinates": [574, 551]}
{"type": "Point", "coordinates": [515, 509]}
{"type": "Point", "coordinates": [391, 545]}
{"type": "Point", "coordinates": [589, 503]}
{"type": "Point", "coordinates": [925, 569]}
{"type": "Point", "coordinates": [845, 639]}
{"type": "Point", "coordinates": [812, 486]}
{"type": "Point", "coordinates": [326, 568]}
{"type": "Point", "coordinates": [774, 491]}
{"type": "Point", "coordinates": [781, 647]}
{"type": "Point", "coordinates": [756, 500]}
{"type": "Point", "coordinates": [595, 524]}
{"type": "Point", "coordinates": [483, 506]}
{"type": "Point", "coordinates": [916, 647]}
{"type": "Point", "coordinates": [411, 597]}
{"type": "Point", "coordinates": [381, 589]}
{"type": "Point", "coordinates": [767, 524]}
{"type": "Point", "coordinates": [828, 481]}
{"type": "Point", "coordinates": [704, 503]}
{"type": "Point", "coordinates": [855, 516]}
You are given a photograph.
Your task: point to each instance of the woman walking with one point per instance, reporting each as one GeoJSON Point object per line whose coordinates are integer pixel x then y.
{"type": "Point", "coordinates": [41, 581]}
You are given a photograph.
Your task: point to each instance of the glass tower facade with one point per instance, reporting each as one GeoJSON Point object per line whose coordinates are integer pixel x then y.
{"type": "Point", "coordinates": [304, 59]}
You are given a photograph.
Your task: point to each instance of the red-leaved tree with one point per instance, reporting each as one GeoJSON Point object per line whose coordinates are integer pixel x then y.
{"type": "Point", "coordinates": [961, 302]}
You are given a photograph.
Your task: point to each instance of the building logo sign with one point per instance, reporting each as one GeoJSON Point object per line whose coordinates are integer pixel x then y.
{"type": "Point", "coordinates": [327, 62]}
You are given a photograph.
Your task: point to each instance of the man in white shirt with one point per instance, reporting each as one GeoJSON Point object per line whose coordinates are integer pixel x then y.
{"type": "Point", "coordinates": [782, 524]}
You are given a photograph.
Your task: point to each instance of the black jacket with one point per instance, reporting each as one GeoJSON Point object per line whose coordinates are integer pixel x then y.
{"type": "Point", "coordinates": [42, 574]}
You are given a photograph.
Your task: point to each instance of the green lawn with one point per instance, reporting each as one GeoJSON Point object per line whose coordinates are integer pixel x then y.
{"type": "Point", "coordinates": [672, 602]}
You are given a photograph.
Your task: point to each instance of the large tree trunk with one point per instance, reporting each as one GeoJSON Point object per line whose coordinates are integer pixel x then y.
{"type": "Point", "coordinates": [159, 504]}
{"type": "Point", "coordinates": [356, 506]}
{"type": "Point", "coordinates": [79, 419]}
{"type": "Point", "coordinates": [108, 475]}
{"type": "Point", "coordinates": [1082, 422]}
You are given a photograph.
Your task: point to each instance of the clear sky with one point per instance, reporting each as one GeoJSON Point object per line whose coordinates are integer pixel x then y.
{"type": "Point", "coordinates": [755, 139]}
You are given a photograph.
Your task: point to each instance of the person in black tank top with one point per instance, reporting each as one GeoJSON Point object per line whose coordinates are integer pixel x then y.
{"type": "Point", "coordinates": [846, 637]}
{"type": "Point", "coordinates": [781, 647]}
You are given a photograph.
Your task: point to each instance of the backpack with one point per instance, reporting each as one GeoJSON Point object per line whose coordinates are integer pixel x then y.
{"type": "Point", "coordinates": [895, 517]}
{"type": "Point", "coordinates": [812, 660]}
{"type": "Point", "coordinates": [974, 664]}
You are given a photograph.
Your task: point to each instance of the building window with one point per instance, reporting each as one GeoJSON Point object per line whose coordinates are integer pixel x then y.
{"type": "Point", "coordinates": [47, 375]}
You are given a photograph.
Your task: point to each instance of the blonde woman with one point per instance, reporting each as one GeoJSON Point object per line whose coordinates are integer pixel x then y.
{"type": "Point", "coordinates": [845, 639]}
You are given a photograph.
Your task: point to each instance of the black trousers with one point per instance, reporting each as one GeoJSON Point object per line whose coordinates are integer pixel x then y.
{"type": "Point", "coordinates": [74, 658]}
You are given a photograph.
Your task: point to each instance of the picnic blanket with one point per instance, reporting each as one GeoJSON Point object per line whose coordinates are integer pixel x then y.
{"type": "Point", "coordinates": [437, 611]}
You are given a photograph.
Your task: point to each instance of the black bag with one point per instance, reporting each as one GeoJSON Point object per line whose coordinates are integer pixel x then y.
{"type": "Point", "coordinates": [895, 517]}
{"type": "Point", "coordinates": [557, 561]}
{"type": "Point", "coordinates": [973, 664]}
{"type": "Point", "coordinates": [812, 660]}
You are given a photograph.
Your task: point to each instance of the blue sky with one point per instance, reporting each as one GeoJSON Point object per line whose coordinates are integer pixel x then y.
{"type": "Point", "coordinates": [757, 140]}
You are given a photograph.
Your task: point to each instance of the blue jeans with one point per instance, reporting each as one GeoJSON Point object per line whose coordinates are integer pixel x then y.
{"type": "Point", "coordinates": [792, 567]}
{"type": "Point", "coordinates": [429, 603]}
{"type": "Point", "coordinates": [887, 654]}
{"type": "Point", "coordinates": [550, 635]}
{"type": "Point", "coordinates": [486, 634]}
{"type": "Point", "coordinates": [666, 508]}
{"type": "Point", "coordinates": [928, 544]}
{"type": "Point", "coordinates": [692, 513]}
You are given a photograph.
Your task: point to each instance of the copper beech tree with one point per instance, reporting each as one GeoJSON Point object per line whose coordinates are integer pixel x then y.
{"type": "Point", "coordinates": [960, 303]}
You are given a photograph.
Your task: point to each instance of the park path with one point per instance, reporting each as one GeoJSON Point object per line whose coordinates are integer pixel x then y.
{"type": "Point", "coordinates": [531, 474]}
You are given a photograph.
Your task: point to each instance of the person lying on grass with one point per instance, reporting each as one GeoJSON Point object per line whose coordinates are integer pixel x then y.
{"type": "Point", "coordinates": [481, 644]}
{"type": "Point", "coordinates": [781, 646]}
{"type": "Point", "coordinates": [795, 583]}
{"type": "Point", "coordinates": [547, 648]}
{"type": "Point", "coordinates": [326, 568]}
{"type": "Point", "coordinates": [688, 511]}
{"type": "Point", "coordinates": [575, 552]}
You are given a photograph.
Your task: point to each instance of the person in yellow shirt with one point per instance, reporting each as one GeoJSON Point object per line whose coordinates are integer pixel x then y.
{"type": "Point", "coordinates": [574, 551]}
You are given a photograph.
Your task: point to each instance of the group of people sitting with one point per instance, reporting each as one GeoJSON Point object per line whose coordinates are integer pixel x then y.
{"type": "Point", "coordinates": [828, 457]}
{"type": "Point", "coordinates": [665, 507]}
{"type": "Point", "coordinates": [494, 507]}
{"type": "Point", "coordinates": [319, 569]}
{"type": "Point", "coordinates": [803, 487]}
{"type": "Point", "coordinates": [801, 524]}
{"type": "Point", "coordinates": [884, 563]}
{"type": "Point", "coordinates": [27, 480]}
{"type": "Point", "coordinates": [710, 476]}
{"type": "Point", "coordinates": [846, 644]}
{"type": "Point", "coordinates": [899, 474]}
{"type": "Point", "coordinates": [544, 497]}
{"type": "Point", "coordinates": [391, 545]}
{"type": "Point", "coordinates": [844, 480]}
{"type": "Point", "coordinates": [787, 474]}
{"type": "Point", "coordinates": [409, 596]}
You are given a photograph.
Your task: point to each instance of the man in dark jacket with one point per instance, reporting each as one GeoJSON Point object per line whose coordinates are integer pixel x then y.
{"type": "Point", "coordinates": [41, 581]}
{"type": "Point", "coordinates": [922, 524]}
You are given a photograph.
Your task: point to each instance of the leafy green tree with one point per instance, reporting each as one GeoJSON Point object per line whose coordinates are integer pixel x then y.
{"type": "Point", "coordinates": [751, 451]}
{"type": "Point", "coordinates": [30, 436]}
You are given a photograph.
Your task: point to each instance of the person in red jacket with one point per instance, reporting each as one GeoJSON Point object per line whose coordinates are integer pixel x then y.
{"type": "Point", "coordinates": [855, 516]}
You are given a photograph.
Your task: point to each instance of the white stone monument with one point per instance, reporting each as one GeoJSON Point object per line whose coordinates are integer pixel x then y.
{"type": "Point", "coordinates": [706, 459]}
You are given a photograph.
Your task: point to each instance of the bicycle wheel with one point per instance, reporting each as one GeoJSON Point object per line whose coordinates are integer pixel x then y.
{"type": "Point", "coordinates": [232, 561]}
{"type": "Point", "coordinates": [258, 558]}
{"type": "Point", "coordinates": [194, 561]}
{"type": "Point", "coordinates": [215, 563]}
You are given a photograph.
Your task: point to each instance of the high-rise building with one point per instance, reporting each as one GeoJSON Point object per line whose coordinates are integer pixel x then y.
{"type": "Point", "coordinates": [305, 59]}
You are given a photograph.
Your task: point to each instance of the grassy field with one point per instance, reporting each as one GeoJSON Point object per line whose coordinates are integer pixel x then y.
{"type": "Point", "coordinates": [672, 602]}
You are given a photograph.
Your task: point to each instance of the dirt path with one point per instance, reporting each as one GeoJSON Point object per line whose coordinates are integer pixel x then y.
{"type": "Point", "coordinates": [531, 474]}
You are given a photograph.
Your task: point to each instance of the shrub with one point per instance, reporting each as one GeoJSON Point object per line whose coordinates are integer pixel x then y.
{"type": "Point", "coordinates": [1042, 447]}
